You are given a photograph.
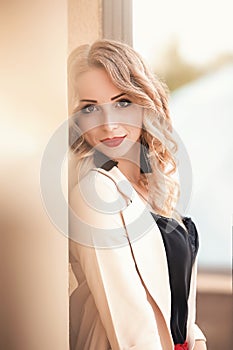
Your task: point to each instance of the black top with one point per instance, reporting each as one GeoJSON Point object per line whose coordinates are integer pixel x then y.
{"type": "Point", "coordinates": [181, 249]}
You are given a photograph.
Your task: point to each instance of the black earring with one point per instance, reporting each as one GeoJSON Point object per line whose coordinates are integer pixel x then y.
{"type": "Point", "coordinates": [145, 167]}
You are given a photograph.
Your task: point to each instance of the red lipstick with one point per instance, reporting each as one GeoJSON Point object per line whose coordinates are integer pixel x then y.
{"type": "Point", "coordinates": [113, 142]}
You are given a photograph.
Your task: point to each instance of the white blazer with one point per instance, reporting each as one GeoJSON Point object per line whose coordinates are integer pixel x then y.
{"type": "Point", "coordinates": [123, 298]}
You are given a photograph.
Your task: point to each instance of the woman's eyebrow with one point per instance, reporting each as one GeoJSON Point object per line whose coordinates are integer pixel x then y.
{"type": "Point", "coordinates": [95, 101]}
{"type": "Point", "coordinates": [114, 97]}
{"type": "Point", "coordinates": [86, 100]}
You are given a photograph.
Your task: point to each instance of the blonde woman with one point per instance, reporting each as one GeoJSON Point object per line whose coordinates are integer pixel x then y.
{"type": "Point", "coordinates": [133, 255]}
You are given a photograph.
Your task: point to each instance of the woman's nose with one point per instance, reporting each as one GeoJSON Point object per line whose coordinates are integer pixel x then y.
{"type": "Point", "coordinates": [109, 121]}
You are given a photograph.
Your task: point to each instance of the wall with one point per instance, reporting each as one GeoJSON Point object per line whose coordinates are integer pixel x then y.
{"type": "Point", "coordinates": [34, 280]}
{"type": "Point", "coordinates": [84, 22]}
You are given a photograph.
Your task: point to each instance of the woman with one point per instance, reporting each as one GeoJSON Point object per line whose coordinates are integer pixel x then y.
{"type": "Point", "coordinates": [133, 255]}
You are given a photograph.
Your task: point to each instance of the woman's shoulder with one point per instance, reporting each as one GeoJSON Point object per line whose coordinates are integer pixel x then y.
{"type": "Point", "coordinates": [99, 190]}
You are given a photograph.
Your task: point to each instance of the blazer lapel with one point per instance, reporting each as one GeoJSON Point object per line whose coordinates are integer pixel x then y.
{"type": "Point", "coordinates": [149, 253]}
{"type": "Point", "coordinates": [147, 244]}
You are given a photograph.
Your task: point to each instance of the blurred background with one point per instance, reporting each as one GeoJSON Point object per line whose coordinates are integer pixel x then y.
{"type": "Point", "coordinates": [188, 44]}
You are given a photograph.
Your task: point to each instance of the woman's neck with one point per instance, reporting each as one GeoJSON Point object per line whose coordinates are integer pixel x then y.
{"type": "Point", "coordinates": [130, 170]}
{"type": "Point", "coordinates": [129, 165]}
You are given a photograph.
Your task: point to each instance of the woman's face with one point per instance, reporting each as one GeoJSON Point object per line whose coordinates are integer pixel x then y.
{"type": "Point", "coordinates": [109, 120]}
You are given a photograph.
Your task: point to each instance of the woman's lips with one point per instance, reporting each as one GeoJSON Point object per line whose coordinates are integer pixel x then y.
{"type": "Point", "coordinates": [113, 142]}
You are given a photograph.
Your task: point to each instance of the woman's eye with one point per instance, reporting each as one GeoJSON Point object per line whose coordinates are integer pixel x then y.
{"type": "Point", "coordinates": [89, 109]}
{"type": "Point", "coordinates": [123, 103]}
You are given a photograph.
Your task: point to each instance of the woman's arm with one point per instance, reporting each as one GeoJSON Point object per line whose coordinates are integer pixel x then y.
{"type": "Point", "coordinates": [119, 295]}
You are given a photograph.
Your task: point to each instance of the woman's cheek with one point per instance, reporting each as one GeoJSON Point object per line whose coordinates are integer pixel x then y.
{"type": "Point", "coordinates": [89, 137]}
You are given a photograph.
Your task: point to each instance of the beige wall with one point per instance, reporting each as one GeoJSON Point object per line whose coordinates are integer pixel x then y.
{"type": "Point", "coordinates": [89, 20]}
{"type": "Point", "coordinates": [84, 22]}
{"type": "Point", "coordinates": [34, 281]}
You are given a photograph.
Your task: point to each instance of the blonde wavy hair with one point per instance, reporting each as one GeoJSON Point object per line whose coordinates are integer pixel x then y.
{"type": "Point", "coordinates": [130, 74]}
